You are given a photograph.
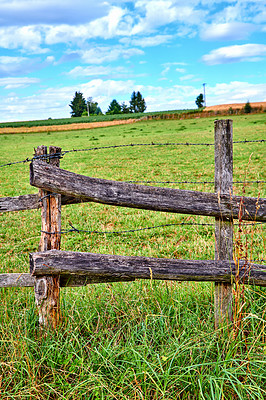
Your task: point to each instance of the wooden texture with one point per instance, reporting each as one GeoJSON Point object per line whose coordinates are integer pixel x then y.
{"type": "Point", "coordinates": [223, 295]}
{"type": "Point", "coordinates": [16, 280]}
{"type": "Point", "coordinates": [146, 197]}
{"type": "Point", "coordinates": [47, 288]}
{"type": "Point", "coordinates": [27, 280]}
{"type": "Point", "coordinates": [30, 202]}
{"type": "Point", "coordinates": [67, 263]}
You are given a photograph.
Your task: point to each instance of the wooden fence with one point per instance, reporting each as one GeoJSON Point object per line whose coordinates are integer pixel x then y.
{"type": "Point", "coordinates": [51, 268]}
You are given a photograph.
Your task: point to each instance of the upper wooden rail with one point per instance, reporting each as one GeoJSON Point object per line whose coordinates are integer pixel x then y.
{"type": "Point", "coordinates": [131, 195]}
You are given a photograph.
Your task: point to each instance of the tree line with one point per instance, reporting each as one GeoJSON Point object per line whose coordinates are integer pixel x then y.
{"type": "Point", "coordinates": [82, 107]}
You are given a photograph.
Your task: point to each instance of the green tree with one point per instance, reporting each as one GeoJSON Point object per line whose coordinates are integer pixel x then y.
{"type": "Point", "coordinates": [199, 100]}
{"type": "Point", "coordinates": [247, 108]}
{"type": "Point", "coordinates": [93, 107]}
{"type": "Point", "coordinates": [124, 108]}
{"type": "Point", "coordinates": [133, 103]}
{"type": "Point", "coordinates": [141, 105]}
{"type": "Point", "coordinates": [114, 108]}
{"type": "Point", "coordinates": [137, 103]}
{"type": "Point", "coordinates": [78, 105]}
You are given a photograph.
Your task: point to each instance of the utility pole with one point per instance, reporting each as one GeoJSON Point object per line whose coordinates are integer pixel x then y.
{"type": "Point", "coordinates": [204, 84]}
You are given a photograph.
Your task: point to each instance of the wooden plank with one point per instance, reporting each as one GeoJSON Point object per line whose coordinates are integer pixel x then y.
{"type": "Point", "coordinates": [146, 197]}
{"type": "Point", "coordinates": [223, 294]}
{"type": "Point", "coordinates": [92, 265]}
{"type": "Point", "coordinates": [30, 202]}
{"type": "Point", "coordinates": [16, 280]}
{"type": "Point", "coordinates": [27, 280]}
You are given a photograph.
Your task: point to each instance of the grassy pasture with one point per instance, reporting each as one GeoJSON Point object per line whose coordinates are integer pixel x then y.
{"type": "Point", "coordinates": [141, 340]}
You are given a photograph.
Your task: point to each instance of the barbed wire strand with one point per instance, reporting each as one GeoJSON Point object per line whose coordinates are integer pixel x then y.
{"type": "Point", "coordinates": [191, 182]}
{"type": "Point", "coordinates": [77, 230]}
{"type": "Point", "coordinates": [61, 155]}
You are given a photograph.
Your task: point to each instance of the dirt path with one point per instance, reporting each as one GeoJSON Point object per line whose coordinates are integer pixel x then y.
{"type": "Point", "coordinates": [68, 127]}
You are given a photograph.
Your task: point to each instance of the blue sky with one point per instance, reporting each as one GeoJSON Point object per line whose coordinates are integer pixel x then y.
{"type": "Point", "coordinates": [106, 49]}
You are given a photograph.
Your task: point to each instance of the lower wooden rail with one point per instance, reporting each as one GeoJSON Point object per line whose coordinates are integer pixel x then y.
{"type": "Point", "coordinates": [105, 266]}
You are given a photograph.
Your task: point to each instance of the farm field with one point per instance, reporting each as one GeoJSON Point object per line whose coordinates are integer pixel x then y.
{"type": "Point", "coordinates": [143, 339]}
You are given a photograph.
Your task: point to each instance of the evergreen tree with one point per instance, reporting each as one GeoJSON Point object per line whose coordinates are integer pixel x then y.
{"type": "Point", "coordinates": [78, 105]}
{"type": "Point", "coordinates": [247, 108]}
{"type": "Point", "coordinates": [200, 100]}
{"type": "Point", "coordinates": [141, 105]}
{"type": "Point", "coordinates": [124, 108]}
{"type": "Point", "coordinates": [133, 103]}
{"type": "Point", "coordinates": [137, 103]}
{"type": "Point", "coordinates": [114, 108]}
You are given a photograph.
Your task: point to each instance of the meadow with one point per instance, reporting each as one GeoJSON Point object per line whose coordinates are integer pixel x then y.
{"type": "Point", "coordinates": [144, 339]}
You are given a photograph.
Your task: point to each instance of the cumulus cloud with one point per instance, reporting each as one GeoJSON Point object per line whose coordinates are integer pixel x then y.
{"type": "Point", "coordinates": [237, 53]}
{"type": "Point", "coordinates": [227, 31]}
{"type": "Point", "coordinates": [26, 37]}
{"type": "Point", "coordinates": [235, 92]}
{"type": "Point", "coordinates": [14, 83]}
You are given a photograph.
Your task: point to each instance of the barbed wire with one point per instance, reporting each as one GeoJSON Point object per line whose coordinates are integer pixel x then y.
{"type": "Point", "coordinates": [77, 230]}
{"type": "Point", "coordinates": [61, 155]}
{"type": "Point", "coordinates": [192, 182]}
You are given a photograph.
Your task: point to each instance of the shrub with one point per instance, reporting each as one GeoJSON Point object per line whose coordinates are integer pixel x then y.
{"type": "Point", "coordinates": [247, 108]}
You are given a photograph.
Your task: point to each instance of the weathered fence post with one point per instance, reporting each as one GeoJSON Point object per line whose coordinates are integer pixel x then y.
{"type": "Point", "coordinates": [47, 288]}
{"type": "Point", "coordinates": [223, 226]}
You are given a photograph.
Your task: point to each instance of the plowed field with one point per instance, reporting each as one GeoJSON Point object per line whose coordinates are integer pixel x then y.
{"type": "Point", "coordinates": [70, 127]}
{"type": "Point", "coordinates": [225, 107]}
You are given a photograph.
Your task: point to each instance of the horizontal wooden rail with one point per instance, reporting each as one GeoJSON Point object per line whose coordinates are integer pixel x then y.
{"type": "Point", "coordinates": [29, 202]}
{"type": "Point", "coordinates": [27, 280]}
{"type": "Point", "coordinates": [67, 263]}
{"type": "Point", "coordinates": [16, 280]}
{"type": "Point", "coordinates": [124, 194]}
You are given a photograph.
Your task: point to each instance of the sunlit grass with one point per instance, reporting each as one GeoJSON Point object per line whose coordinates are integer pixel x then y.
{"type": "Point", "coordinates": [136, 340]}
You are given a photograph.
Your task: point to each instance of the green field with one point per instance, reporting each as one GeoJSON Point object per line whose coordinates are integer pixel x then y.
{"type": "Point", "coordinates": [145, 339]}
{"type": "Point", "coordinates": [92, 118]}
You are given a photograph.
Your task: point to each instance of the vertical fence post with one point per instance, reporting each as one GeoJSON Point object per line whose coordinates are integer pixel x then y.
{"type": "Point", "coordinates": [47, 288]}
{"type": "Point", "coordinates": [223, 226]}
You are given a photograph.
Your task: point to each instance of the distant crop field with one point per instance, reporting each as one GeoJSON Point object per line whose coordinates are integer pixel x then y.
{"type": "Point", "coordinates": [144, 339]}
{"type": "Point", "coordinates": [81, 120]}
{"type": "Point", "coordinates": [226, 107]}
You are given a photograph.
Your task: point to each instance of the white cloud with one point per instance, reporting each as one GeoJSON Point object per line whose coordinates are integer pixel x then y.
{"type": "Point", "coordinates": [99, 55]}
{"type": "Point", "coordinates": [97, 71]}
{"type": "Point", "coordinates": [237, 53]}
{"type": "Point", "coordinates": [227, 31]}
{"type": "Point", "coordinates": [188, 77]}
{"type": "Point", "coordinates": [235, 92]}
{"type": "Point", "coordinates": [148, 41]}
{"type": "Point", "coordinates": [26, 37]}
{"type": "Point", "coordinates": [13, 83]}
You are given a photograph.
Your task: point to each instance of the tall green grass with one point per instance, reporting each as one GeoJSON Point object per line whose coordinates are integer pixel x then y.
{"type": "Point", "coordinates": [136, 340]}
